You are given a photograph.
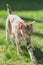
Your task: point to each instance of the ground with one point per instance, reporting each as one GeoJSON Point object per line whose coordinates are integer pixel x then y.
{"type": "Point", "coordinates": [8, 54]}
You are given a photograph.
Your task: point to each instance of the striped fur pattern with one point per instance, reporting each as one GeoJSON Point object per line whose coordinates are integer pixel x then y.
{"type": "Point", "coordinates": [16, 27]}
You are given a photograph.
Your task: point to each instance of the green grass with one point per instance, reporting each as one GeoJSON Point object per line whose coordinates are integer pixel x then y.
{"type": "Point", "coordinates": [29, 11]}
{"type": "Point", "coordinates": [8, 54]}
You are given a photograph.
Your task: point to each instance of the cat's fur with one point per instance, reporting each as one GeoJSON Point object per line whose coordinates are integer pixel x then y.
{"type": "Point", "coordinates": [16, 27]}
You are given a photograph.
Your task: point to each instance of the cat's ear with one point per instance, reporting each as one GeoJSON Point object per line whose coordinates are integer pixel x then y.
{"type": "Point", "coordinates": [31, 24]}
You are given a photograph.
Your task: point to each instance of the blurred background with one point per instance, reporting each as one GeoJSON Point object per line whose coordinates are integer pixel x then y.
{"type": "Point", "coordinates": [21, 5]}
{"type": "Point", "coordinates": [28, 10]}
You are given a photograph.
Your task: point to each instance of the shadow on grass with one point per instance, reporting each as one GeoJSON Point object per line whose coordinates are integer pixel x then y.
{"type": "Point", "coordinates": [25, 19]}
{"type": "Point", "coordinates": [2, 26]}
{"type": "Point", "coordinates": [38, 34]}
{"type": "Point", "coordinates": [39, 55]}
{"type": "Point", "coordinates": [37, 52]}
{"type": "Point", "coordinates": [30, 19]}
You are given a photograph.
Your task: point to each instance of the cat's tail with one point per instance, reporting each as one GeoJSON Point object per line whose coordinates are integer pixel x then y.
{"type": "Point", "coordinates": [8, 9]}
